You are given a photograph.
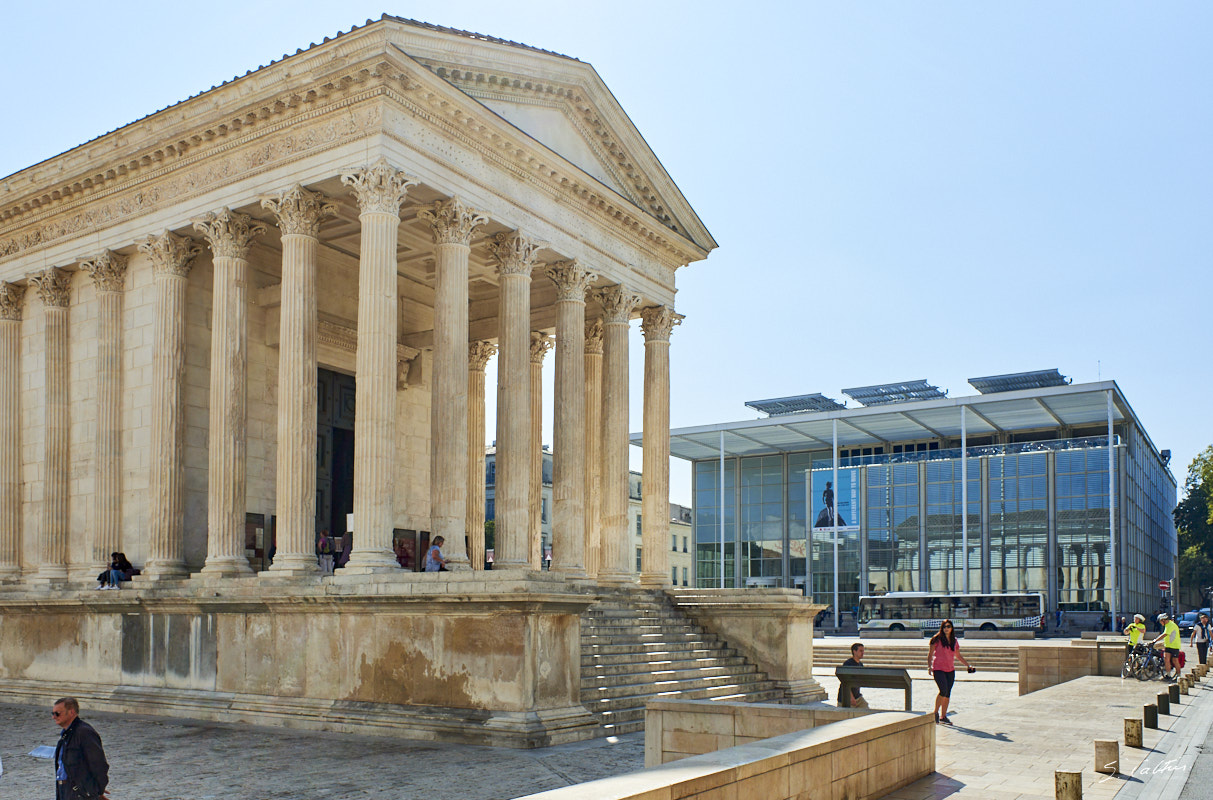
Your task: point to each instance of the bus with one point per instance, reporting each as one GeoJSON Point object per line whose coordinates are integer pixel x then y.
{"type": "Point", "coordinates": [909, 611]}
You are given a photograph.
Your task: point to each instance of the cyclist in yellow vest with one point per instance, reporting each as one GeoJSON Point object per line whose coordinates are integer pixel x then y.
{"type": "Point", "coordinates": [1136, 630]}
{"type": "Point", "coordinates": [1171, 641]}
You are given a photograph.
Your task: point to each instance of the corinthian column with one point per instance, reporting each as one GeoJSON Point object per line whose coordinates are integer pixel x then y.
{"type": "Point", "coordinates": [593, 447]}
{"type": "Point", "coordinates": [656, 323]}
{"type": "Point", "coordinates": [54, 288]}
{"type": "Point", "coordinates": [479, 354]}
{"type": "Point", "coordinates": [171, 258]}
{"type": "Point", "coordinates": [380, 190]}
{"type": "Point", "coordinates": [229, 235]}
{"type": "Point", "coordinates": [540, 345]}
{"type": "Point", "coordinates": [298, 212]}
{"type": "Point", "coordinates": [453, 225]}
{"type": "Point", "coordinates": [108, 272]}
{"type": "Point", "coordinates": [515, 255]}
{"type": "Point", "coordinates": [11, 296]}
{"type": "Point", "coordinates": [568, 433]}
{"type": "Point", "coordinates": [617, 304]}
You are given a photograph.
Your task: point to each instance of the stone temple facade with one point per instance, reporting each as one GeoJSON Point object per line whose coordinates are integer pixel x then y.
{"type": "Point", "coordinates": [395, 205]}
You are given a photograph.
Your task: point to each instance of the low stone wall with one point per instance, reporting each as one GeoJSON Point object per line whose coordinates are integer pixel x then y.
{"type": "Point", "coordinates": [449, 656]}
{"type": "Point", "coordinates": [861, 758]}
{"type": "Point", "coordinates": [675, 729]}
{"type": "Point", "coordinates": [773, 628]}
{"type": "Point", "coordinates": [1044, 665]}
{"type": "Point", "coordinates": [891, 635]}
{"type": "Point", "coordinates": [1011, 634]}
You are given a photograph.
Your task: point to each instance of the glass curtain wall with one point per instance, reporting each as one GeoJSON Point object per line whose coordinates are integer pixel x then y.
{"type": "Point", "coordinates": [762, 519]}
{"type": "Point", "coordinates": [945, 494]}
{"type": "Point", "coordinates": [903, 510]}
{"type": "Point", "coordinates": [798, 514]}
{"type": "Point", "coordinates": [822, 577]}
{"type": "Point", "coordinates": [1082, 526]}
{"type": "Point", "coordinates": [1019, 523]}
{"type": "Point", "coordinates": [708, 511]}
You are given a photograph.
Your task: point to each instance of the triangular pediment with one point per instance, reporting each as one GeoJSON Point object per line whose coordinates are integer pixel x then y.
{"type": "Point", "coordinates": [561, 103]}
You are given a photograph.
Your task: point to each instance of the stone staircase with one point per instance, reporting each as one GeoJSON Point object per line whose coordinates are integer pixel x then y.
{"type": "Point", "coordinates": [985, 658]}
{"type": "Point", "coordinates": [635, 645]}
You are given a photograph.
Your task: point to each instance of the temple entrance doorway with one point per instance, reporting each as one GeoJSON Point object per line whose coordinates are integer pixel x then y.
{"type": "Point", "coordinates": [334, 454]}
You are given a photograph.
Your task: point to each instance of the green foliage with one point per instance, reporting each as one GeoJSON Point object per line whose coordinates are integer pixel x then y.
{"type": "Point", "coordinates": [490, 534]}
{"type": "Point", "coordinates": [1194, 523]}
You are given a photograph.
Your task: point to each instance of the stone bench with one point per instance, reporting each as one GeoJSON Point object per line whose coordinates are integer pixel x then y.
{"type": "Point", "coordinates": [858, 754]}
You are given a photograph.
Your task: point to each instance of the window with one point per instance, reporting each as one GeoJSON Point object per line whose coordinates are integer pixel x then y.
{"type": "Point", "coordinates": [544, 510]}
{"type": "Point", "coordinates": [637, 524]}
{"type": "Point", "coordinates": [638, 559]}
{"type": "Point", "coordinates": [674, 575]}
{"type": "Point", "coordinates": [684, 544]}
{"type": "Point", "coordinates": [684, 577]}
{"type": "Point", "coordinates": [674, 542]}
{"type": "Point", "coordinates": [489, 508]}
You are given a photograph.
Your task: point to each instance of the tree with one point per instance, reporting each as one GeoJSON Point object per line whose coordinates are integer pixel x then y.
{"type": "Point", "coordinates": [490, 534]}
{"type": "Point", "coordinates": [1194, 523]}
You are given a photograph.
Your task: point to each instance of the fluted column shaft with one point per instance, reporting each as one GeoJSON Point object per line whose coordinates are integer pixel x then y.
{"type": "Point", "coordinates": [109, 275]}
{"type": "Point", "coordinates": [568, 424]}
{"type": "Point", "coordinates": [593, 448]}
{"type": "Point", "coordinates": [11, 296]}
{"type": "Point", "coordinates": [298, 213]}
{"type": "Point", "coordinates": [229, 235]}
{"type": "Point", "coordinates": [453, 225]}
{"type": "Point", "coordinates": [171, 258]}
{"type": "Point", "coordinates": [656, 324]}
{"type": "Point", "coordinates": [515, 257]}
{"type": "Point", "coordinates": [54, 288]}
{"type": "Point", "coordinates": [380, 189]}
{"type": "Point", "coordinates": [540, 344]}
{"type": "Point", "coordinates": [617, 305]}
{"type": "Point", "coordinates": [478, 355]}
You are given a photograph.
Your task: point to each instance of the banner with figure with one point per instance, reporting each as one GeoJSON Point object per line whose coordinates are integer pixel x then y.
{"type": "Point", "coordinates": [835, 505]}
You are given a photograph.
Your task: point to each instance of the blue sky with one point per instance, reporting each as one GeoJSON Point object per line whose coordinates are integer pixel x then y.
{"type": "Point", "coordinates": [899, 190]}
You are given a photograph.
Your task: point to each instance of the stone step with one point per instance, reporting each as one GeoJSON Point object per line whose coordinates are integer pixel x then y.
{"type": "Point", "coordinates": [627, 628]}
{"type": "Point", "coordinates": [675, 673]}
{"type": "Point", "coordinates": [628, 685]}
{"type": "Point", "coordinates": [618, 666]}
{"type": "Point", "coordinates": [655, 646]}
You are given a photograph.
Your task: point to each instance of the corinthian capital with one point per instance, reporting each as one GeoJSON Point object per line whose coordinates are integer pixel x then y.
{"type": "Point", "coordinates": [170, 254]}
{"type": "Point", "coordinates": [514, 253]}
{"type": "Point", "coordinates": [299, 211]}
{"type": "Point", "coordinates": [11, 296]}
{"type": "Point", "coordinates": [452, 221]}
{"type": "Point", "coordinates": [617, 303]}
{"type": "Point", "coordinates": [108, 271]}
{"type": "Point", "coordinates": [572, 280]}
{"type": "Point", "coordinates": [229, 233]}
{"type": "Point", "coordinates": [541, 343]}
{"type": "Point", "coordinates": [479, 354]}
{"type": "Point", "coordinates": [53, 287]}
{"type": "Point", "coordinates": [656, 322]}
{"type": "Point", "coordinates": [593, 337]}
{"type": "Point", "coordinates": [379, 188]}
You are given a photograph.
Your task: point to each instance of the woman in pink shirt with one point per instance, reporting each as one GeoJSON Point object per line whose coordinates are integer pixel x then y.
{"type": "Point", "coordinates": [941, 664]}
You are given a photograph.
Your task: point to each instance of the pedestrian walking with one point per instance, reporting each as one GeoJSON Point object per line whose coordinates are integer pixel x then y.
{"type": "Point", "coordinates": [81, 771]}
{"type": "Point", "coordinates": [1200, 638]}
{"type": "Point", "coordinates": [941, 664]}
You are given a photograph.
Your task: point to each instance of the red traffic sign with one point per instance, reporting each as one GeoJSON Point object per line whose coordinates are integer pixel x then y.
{"type": "Point", "coordinates": [1164, 586]}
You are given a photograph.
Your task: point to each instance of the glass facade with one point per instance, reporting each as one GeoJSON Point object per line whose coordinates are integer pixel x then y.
{"type": "Point", "coordinates": [1036, 514]}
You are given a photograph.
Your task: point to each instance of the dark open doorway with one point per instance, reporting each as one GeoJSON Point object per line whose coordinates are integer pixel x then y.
{"type": "Point", "coordinates": [334, 452]}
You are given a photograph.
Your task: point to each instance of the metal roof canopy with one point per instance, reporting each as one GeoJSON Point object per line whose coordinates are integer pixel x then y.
{"type": "Point", "coordinates": [885, 393]}
{"type": "Point", "coordinates": [1037, 379]}
{"type": "Point", "coordinates": [781, 406]}
{"type": "Point", "coordinates": [1073, 405]}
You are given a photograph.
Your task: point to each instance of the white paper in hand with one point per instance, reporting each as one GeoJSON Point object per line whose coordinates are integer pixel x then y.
{"type": "Point", "coordinates": [43, 751]}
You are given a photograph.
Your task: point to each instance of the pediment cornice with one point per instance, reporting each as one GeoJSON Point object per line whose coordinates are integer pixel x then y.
{"type": "Point", "coordinates": [282, 111]}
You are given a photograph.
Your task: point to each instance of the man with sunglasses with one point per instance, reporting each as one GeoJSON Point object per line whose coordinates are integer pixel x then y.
{"type": "Point", "coordinates": [81, 771]}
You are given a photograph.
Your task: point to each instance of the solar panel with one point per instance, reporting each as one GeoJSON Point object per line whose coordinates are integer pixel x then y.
{"type": "Point", "coordinates": [795, 405]}
{"type": "Point", "coordinates": [885, 393]}
{"type": "Point", "coordinates": [1014, 381]}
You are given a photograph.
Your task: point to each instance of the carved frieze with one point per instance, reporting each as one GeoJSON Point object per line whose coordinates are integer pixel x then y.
{"type": "Point", "coordinates": [11, 296]}
{"type": "Point", "coordinates": [656, 323]}
{"type": "Point", "coordinates": [53, 287]}
{"type": "Point", "coordinates": [593, 337]}
{"type": "Point", "coordinates": [299, 211]}
{"type": "Point", "coordinates": [452, 221]}
{"type": "Point", "coordinates": [229, 233]}
{"type": "Point", "coordinates": [514, 252]}
{"type": "Point", "coordinates": [107, 270]}
{"type": "Point", "coordinates": [341, 337]}
{"type": "Point", "coordinates": [617, 303]}
{"type": "Point", "coordinates": [379, 188]}
{"type": "Point", "coordinates": [479, 354]}
{"type": "Point", "coordinates": [541, 343]}
{"type": "Point", "coordinates": [571, 279]}
{"type": "Point", "coordinates": [170, 254]}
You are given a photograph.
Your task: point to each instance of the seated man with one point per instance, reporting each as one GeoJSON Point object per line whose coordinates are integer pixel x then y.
{"type": "Point", "coordinates": [856, 699]}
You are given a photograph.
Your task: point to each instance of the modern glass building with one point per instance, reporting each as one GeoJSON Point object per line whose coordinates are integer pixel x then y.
{"type": "Point", "coordinates": [1006, 490]}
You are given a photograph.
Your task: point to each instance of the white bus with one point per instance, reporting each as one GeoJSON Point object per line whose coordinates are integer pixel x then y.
{"type": "Point", "coordinates": [908, 611]}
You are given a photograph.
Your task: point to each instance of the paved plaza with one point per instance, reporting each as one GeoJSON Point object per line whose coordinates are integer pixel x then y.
{"type": "Point", "coordinates": [1003, 747]}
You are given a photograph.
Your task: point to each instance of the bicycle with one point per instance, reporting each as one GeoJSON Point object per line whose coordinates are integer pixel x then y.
{"type": "Point", "coordinates": [1134, 661]}
{"type": "Point", "coordinates": [1152, 666]}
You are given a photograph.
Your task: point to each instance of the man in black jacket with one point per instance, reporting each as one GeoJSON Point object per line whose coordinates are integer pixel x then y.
{"type": "Point", "coordinates": [81, 771]}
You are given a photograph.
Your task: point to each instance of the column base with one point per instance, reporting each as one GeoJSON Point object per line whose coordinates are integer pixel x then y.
{"type": "Point", "coordinates": [369, 562]}
{"type": "Point", "coordinates": [653, 581]}
{"type": "Point", "coordinates": [616, 577]}
{"type": "Point", "coordinates": [293, 565]}
{"type": "Point", "coordinates": [227, 567]}
{"type": "Point", "coordinates": [163, 571]}
{"type": "Point", "coordinates": [48, 575]}
{"type": "Point", "coordinates": [10, 574]}
{"type": "Point", "coordinates": [525, 566]}
{"type": "Point", "coordinates": [570, 572]}
{"type": "Point", "coordinates": [458, 566]}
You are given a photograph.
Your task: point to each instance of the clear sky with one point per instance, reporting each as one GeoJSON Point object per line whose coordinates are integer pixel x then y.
{"type": "Point", "coordinates": [899, 190]}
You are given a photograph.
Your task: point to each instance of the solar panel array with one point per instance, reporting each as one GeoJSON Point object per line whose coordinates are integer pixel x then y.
{"type": "Point", "coordinates": [1015, 381]}
{"type": "Point", "coordinates": [795, 405]}
{"type": "Point", "coordinates": [885, 393]}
